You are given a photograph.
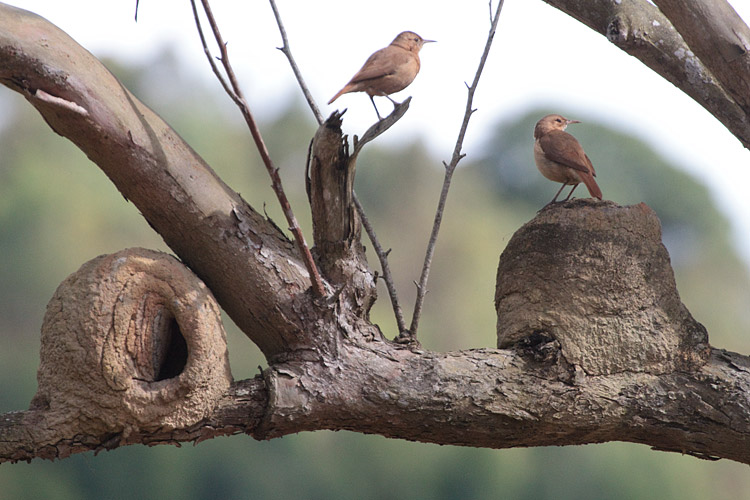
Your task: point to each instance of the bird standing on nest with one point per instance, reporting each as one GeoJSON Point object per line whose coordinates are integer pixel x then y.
{"type": "Point", "coordinates": [560, 157]}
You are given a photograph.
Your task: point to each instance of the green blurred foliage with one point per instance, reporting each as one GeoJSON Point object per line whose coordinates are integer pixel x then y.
{"type": "Point", "coordinates": [57, 210]}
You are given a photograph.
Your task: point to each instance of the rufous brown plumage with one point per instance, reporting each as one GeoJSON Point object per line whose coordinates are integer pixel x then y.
{"type": "Point", "coordinates": [560, 157]}
{"type": "Point", "coordinates": [389, 70]}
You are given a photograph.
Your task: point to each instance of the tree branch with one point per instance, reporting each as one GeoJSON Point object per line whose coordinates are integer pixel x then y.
{"type": "Point", "coordinates": [719, 38]}
{"type": "Point", "coordinates": [486, 398]}
{"type": "Point", "coordinates": [411, 334]}
{"type": "Point", "coordinates": [640, 29]}
{"type": "Point", "coordinates": [236, 94]}
{"type": "Point", "coordinates": [566, 383]}
{"type": "Point", "coordinates": [383, 257]}
{"type": "Point", "coordinates": [336, 228]}
{"type": "Point", "coordinates": [240, 410]}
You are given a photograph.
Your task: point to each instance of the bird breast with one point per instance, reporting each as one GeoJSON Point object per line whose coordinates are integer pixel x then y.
{"type": "Point", "coordinates": [553, 170]}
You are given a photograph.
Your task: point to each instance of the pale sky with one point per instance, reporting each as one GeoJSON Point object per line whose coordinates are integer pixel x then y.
{"type": "Point", "coordinates": [540, 57]}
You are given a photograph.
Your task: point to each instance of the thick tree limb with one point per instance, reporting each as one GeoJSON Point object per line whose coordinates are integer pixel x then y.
{"type": "Point", "coordinates": [641, 30]}
{"type": "Point", "coordinates": [718, 37]}
{"type": "Point", "coordinates": [538, 393]}
{"type": "Point", "coordinates": [501, 399]}
{"type": "Point", "coordinates": [240, 410]}
{"type": "Point", "coordinates": [481, 398]}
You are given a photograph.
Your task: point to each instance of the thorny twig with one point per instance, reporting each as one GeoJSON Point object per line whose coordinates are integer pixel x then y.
{"type": "Point", "coordinates": [411, 335]}
{"type": "Point", "coordinates": [369, 135]}
{"type": "Point", "coordinates": [235, 93]}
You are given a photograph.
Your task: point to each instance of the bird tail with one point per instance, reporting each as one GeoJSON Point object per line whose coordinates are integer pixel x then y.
{"type": "Point", "coordinates": [592, 186]}
{"type": "Point", "coordinates": [340, 92]}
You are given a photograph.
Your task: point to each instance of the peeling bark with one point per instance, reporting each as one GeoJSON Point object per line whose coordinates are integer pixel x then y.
{"type": "Point", "coordinates": [337, 229]}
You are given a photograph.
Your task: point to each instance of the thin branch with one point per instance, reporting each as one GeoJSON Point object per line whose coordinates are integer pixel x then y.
{"type": "Point", "coordinates": [373, 132]}
{"type": "Point", "coordinates": [236, 94]}
{"type": "Point", "coordinates": [383, 257]}
{"type": "Point", "coordinates": [211, 60]}
{"type": "Point", "coordinates": [411, 335]}
{"type": "Point", "coordinates": [381, 126]}
{"type": "Point", "coordinates": [288, 53]}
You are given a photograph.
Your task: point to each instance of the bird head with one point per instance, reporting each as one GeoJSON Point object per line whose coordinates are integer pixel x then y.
{"type": "Point", "coordinates": [410, 41]}
{"type": "Point", "coordinates": [550, 123]}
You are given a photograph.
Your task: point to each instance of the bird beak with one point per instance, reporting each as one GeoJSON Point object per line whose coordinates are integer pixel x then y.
{"type": "Point", "coordinates": [429, 41]}
{"type": "Point", "coordinates": [573, 121]}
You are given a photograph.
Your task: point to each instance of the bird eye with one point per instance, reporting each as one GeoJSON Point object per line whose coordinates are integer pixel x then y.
{"type": "Point", "coordinates": [558, 120]}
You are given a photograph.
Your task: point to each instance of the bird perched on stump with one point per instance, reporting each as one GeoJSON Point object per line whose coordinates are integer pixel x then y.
{"type": "Point", "coordinates": [388, 70]}
{"type": "Point", "coordinates": [560, 157]}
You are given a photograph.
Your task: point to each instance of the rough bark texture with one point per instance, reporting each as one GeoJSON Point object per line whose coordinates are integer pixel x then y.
{"type": "Point", "coordinates": [337, 229]}
{"type": "Point", "coordinates": [329, 368]}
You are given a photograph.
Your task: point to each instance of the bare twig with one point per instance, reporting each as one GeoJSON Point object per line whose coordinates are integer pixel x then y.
{"type": "Point", "coordinates": [383, 257]}
{"type": "Point", "coordinates": [371, 133]}
{"type": "Point", "coordinates": [235, 93]}
{"type": "Point", "coordinates": [288, 53]}
{"type": "Point", "coordinates": [411, 335]}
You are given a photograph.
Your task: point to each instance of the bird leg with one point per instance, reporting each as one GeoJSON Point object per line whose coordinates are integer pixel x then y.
{"type": "Point", "coordinates": [571, 192]}
{"type": "Point", "coordinates": [556, 195]}
{"type": "Point", "coordinates": [376, 108]}
{"type": "Point", "coordinates": [395, 103]}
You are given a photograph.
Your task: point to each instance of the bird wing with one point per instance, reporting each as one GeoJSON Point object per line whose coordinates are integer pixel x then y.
{"type": "Point", "coordinates": [591, 165]}
{"type": "Point", "coordinates": [563, 148]}
{"type": "Point", "coordinates": [382, 63]}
